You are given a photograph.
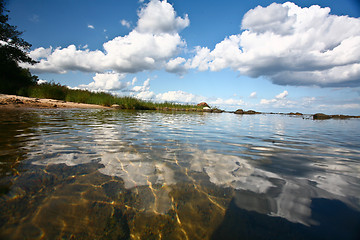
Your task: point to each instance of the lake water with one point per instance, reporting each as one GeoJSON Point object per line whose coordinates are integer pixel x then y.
{"type": "Point", "coordinates": [99, 174]}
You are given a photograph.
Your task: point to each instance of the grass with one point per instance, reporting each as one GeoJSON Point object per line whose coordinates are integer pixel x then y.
{"type": "Point", "coordinates": [56, 91]}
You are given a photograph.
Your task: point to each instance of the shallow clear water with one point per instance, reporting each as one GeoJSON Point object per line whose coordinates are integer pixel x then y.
{"type": "Point", "coordinates": [95, 174]}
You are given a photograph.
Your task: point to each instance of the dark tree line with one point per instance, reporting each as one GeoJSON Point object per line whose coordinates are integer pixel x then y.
{"type": "Point", "coordinates": [13, 50]}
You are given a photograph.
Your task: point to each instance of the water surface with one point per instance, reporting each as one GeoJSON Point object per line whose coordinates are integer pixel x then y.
{"type": "Point", "coordinates": [99, 174]}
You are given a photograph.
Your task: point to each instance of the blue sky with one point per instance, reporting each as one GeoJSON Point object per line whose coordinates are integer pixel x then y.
{"type": "Point", "coordinates": [272, 57]}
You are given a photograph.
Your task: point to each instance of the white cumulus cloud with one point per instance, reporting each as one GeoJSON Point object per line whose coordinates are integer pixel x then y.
{"type": "Point", "coordinates": [278, 101]}
{"type": "Point", "coordinates": [160, 17]}
{"type": "Point", "coordinates": [228, 102]}
{"type": "Point", "coordinates": [201, 59]}
{"type": "Point", "coordinates": [179, 97]}
{"type": "Point", "coordinates": [109, 81]}
{"type": "Point", "coordinates": [62, 60]}
{"type": "Point", "coordinates": [282, 95]}
{"type": "Point", "coordinates": [144, 88]}
{"type": "Point", "coordinates": [290, 45]}
{"type": "Point", "coordinates": [187, 98]}
{"type": "Point", "coordinates": [40, 53]}
{"type": "Point", "coordinates": [147, 95]}
{"type": "Point", "coordinates": [176, 66]}
{"type": "Point", "coordinates": [153, 42]}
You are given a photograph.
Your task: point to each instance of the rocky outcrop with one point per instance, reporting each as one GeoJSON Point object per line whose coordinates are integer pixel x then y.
{"type": "Point", "coordinates": [296, 114]}
{"type": "Point", "coordinates": [215, 110]}
{"type": "Point", "coordinates": [321, 116]}
{"type": "Point", "coordinates": [251, 112]}
{"type": "Point", "coordinates": [203, 104]}
{"type": "Point", "coordinates": [240, 111]}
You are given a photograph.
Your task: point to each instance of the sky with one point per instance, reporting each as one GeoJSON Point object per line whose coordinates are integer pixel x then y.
{"type": "Point", "coordinates": [299, 56]}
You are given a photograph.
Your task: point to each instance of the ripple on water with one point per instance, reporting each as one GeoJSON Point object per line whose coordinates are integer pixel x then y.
{"type": "Point", "coordinates": [96, 173]}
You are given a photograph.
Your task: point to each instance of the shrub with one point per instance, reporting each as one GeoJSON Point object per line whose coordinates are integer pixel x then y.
{"type": "Point", "coordinates": [49, 90]}
{"type": "Point", "coordinates": [56, 91]}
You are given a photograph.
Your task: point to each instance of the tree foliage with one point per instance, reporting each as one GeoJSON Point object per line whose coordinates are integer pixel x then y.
{"type": "Point", "coordinates": [13, 50]}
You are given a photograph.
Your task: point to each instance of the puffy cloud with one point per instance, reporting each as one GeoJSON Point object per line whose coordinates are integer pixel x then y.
{"type": "Point", "coordinates": [185, 97]}
{"type": "Point", "coordinates": [160, 17]}
{"type": "Point", "coordinates": [91, 26]}
{"type": "Point", "coordinates": [278, 101]}
{"type": "Point", "coordinates": [144, 88]}
{"type": "Point", "coordinates": [142, 92]}
{"type": "Point", "coordinates": [201, 59]}
{"type": "Point", "coordinates": [70, 58]}
{"type": "Point", "coordinates": [40, 53]}
{"type": "Point", "coordinates": [109, 81]}
{"type": "Point", "coordinates": [149, 46]}
{"type": "Point", "coordinates": [140, 51]}
{"type": "Point", "coordinates": [253, 95]}
{"type": "Point", "coordinates": [273, 18]}
{"type": "Point", "coordinates": [178, 96]}
{"type": "Point", "coordinates": [290, 45]}
{"type": "Point", "coordinates": [176, 66]}
{"type": "Point", "coordinates": [147, 95]}
{"type": "Point", "coordinates": [282, 95]}
{"type": "Point", "coordinates": [267, 101]}
{"type": "Point", "coordinates": [125, 23]}
{"type": "Point", "coordinates": [226, 53]}
{"type": "Point", "coordinates": [285, 43]}
{"type": "Point", "coordinates": [228, 102]}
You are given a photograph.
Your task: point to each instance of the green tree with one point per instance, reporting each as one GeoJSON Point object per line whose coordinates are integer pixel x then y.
{"type": "Point", "coordinates": [13, 50]}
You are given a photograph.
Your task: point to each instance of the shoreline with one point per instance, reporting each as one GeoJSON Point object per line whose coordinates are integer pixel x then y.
{"type": "Point", "coordinates": [18, 102]}
{"type": "Point", "coordinates": [11, 102]}
{"type": "Point", "coordinates": [8, 101]}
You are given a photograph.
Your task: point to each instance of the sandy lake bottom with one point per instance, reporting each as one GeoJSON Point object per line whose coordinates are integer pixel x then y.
{"type": "Point", "coordinates": [105, 174]}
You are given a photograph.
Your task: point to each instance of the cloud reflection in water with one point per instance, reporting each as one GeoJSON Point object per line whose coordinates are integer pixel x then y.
{"type": "Point", "coordinates": [269, 161]}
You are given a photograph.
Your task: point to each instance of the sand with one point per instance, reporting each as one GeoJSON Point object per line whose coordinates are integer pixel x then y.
{"type": "Point", "coordinates": [18, 102]}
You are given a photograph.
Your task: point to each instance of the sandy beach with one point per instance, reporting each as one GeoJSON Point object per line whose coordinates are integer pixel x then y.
{"type": "Point", "coordinates": [18, 102]}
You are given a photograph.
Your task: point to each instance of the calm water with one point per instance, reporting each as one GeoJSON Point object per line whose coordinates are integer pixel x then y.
{"type": "Point", "coordinates": [95, 174]}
